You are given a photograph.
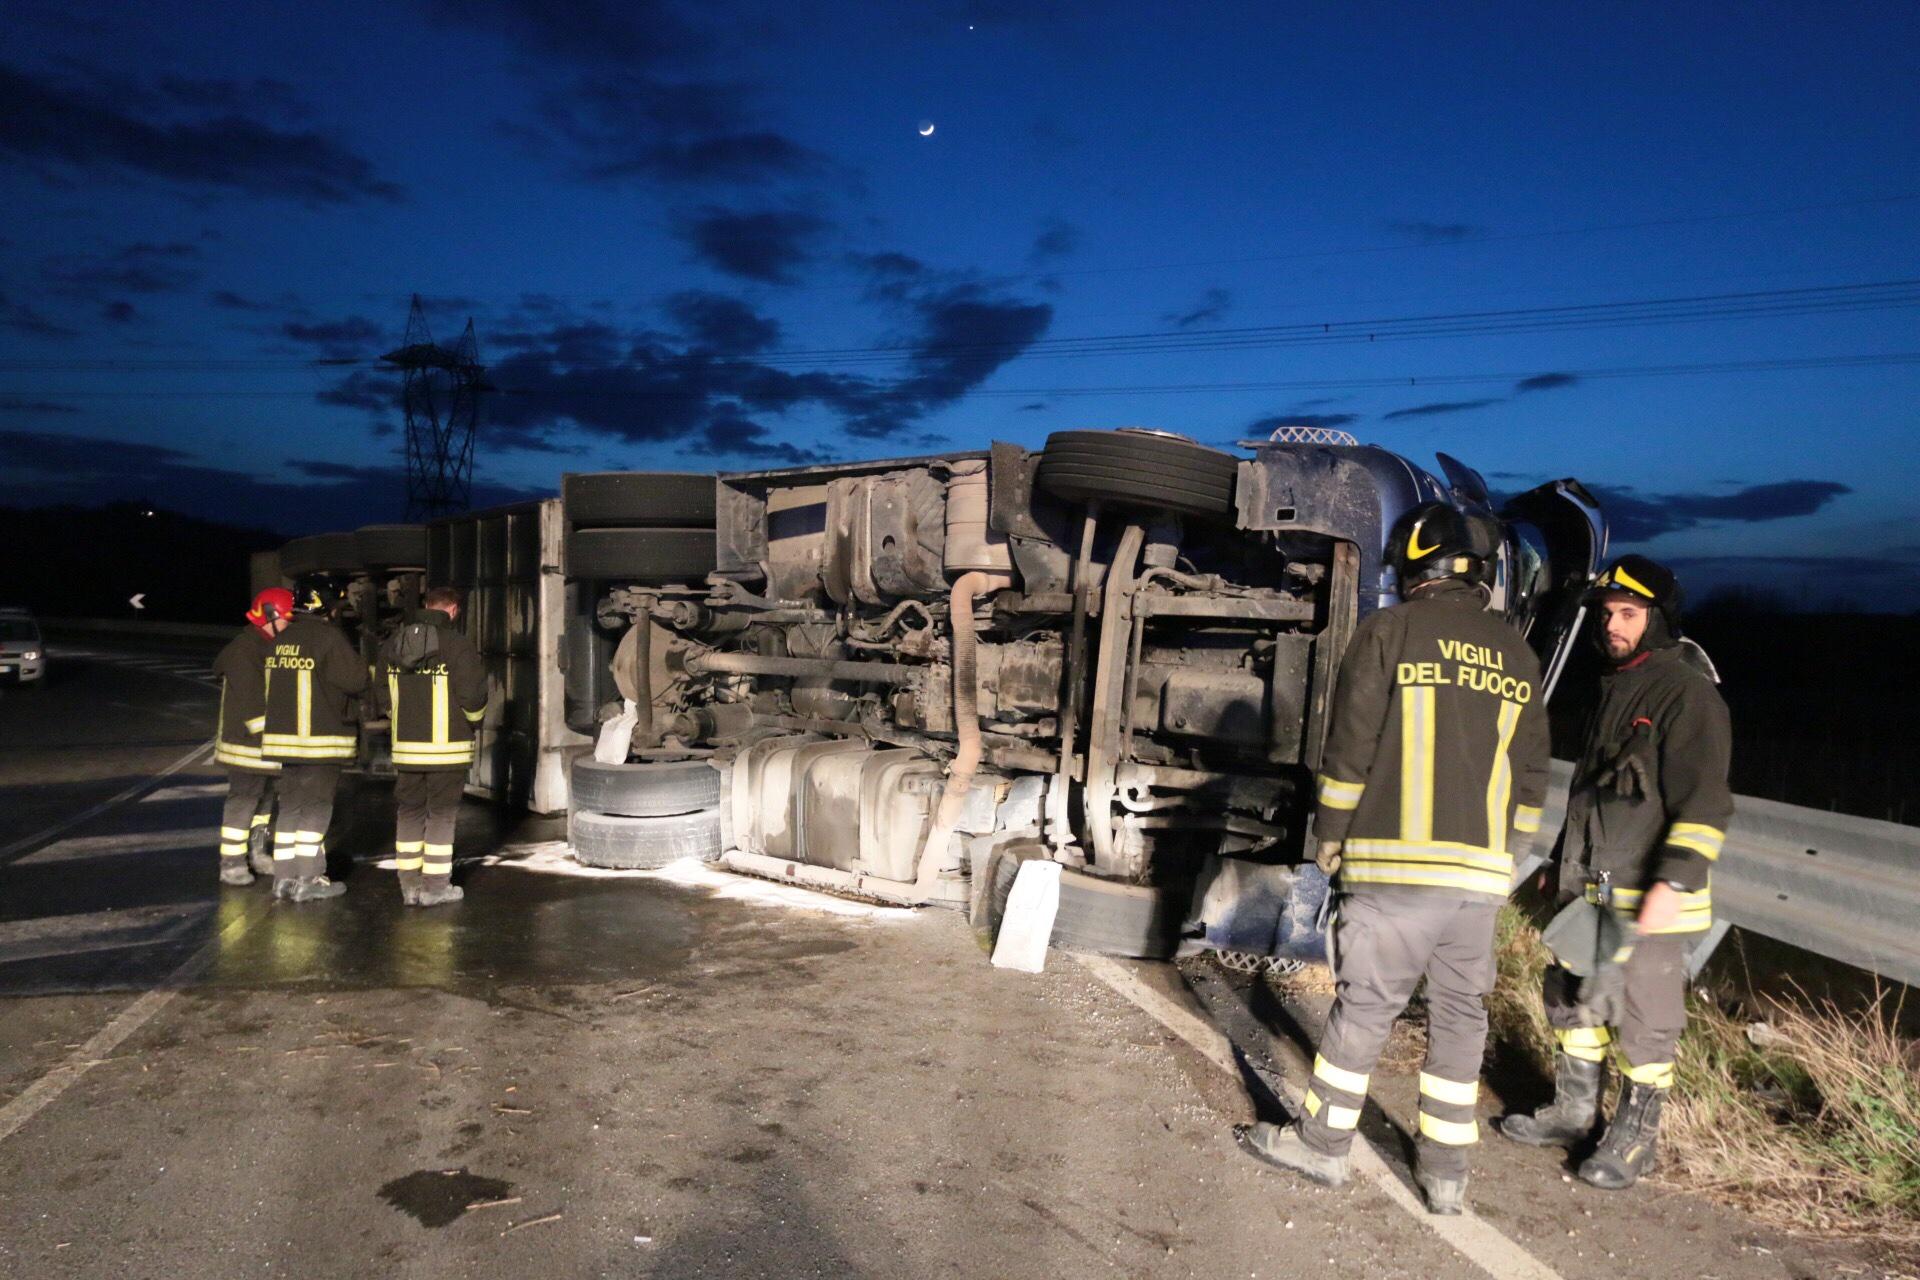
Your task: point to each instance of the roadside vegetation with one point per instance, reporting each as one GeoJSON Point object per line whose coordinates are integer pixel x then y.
{"type": "Point", "coordinates": [1800, 1112]}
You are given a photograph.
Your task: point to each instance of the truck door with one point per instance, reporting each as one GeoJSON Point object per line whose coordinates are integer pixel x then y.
{"type": "Point", "coordinates": [1556, 546]}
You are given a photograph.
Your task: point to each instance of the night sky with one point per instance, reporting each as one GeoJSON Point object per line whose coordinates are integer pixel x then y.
{"type": "Point", "coordinates": [719, 237]}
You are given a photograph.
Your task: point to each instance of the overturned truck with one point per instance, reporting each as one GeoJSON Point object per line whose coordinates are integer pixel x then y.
{"type": "Point", "coordinates": [900, 679]}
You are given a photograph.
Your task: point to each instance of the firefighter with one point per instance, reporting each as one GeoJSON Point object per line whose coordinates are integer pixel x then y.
{"type": "Point", "coordinates": [313, 677]}
{"type": "Point", "coordinates": [246, 821]}
{"type": "Point", "coordinates": [1646, 818]}
{"type": "Point", "coordinates": [1431, 780]}
{"type": "Point", "coordinates": [434, 685]}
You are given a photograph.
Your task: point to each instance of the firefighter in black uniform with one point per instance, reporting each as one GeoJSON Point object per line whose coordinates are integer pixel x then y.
{"type": "Point", "coordinates": [313, 677]}
{"type": "Point", "coordinates": [1431, 779]}
{"type": "Point", "coordinates": [434, 685]}
{"type": "Point", "coordinates": [241, 666]}
{"type": "Point", "coordinates": [1646, 818]}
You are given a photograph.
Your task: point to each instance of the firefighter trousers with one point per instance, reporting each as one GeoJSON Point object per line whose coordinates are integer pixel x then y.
{"type": "Point", "coordinates": [306, 808]}
{"type": "Point", "coordinates": [1382, 943]}
{"type": "Point", "coordinates": [426, 804]}
{"type": "Point", "coordinates": [249, 805]}
{"type": "Point", "coordinates": [1654, 1011]}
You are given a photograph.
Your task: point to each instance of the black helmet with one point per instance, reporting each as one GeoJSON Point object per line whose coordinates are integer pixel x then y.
{"type": "Point", "coordinates": [1646, 580]}
{"type": "Point", "coordinates": [316, 594]}
{"type": "Point", "coordinates": [1438, 540]}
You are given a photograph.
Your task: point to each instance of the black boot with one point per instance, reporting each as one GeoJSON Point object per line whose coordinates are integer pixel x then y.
{"type": "Point", "coordinates": [1572, 1114]}
{"type": "Point", "coordinates": [1632, 1138]}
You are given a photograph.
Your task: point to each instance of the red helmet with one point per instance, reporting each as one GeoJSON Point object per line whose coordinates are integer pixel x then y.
{"type": "Point", "coordinates": [274, 602]}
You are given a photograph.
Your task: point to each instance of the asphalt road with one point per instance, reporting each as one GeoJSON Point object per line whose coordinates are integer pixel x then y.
{"type": "Point", "coordinates": [680, 1075]}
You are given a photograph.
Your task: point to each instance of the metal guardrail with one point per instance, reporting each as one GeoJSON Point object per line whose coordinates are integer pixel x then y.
{"type": "Point", "coordinates": [1839, 886]}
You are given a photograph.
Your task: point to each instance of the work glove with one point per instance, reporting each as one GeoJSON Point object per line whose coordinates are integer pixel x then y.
{"type": "Point", "coordinates": [1602, 1000]}
{"type": "Point", "coordinates": [1630, 773]}
{"type": "Point", "coordinates": [1327, 857]}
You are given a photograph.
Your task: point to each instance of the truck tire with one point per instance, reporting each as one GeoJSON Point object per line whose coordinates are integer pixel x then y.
{"type": "Point", "coordinates": [391, 546]}
{"type": "Point", "coordinates": [640, 555]}
{"type": "Point", "coordinates": [1139, 468]}
{"type": "Point", "coordinates": [1103, 917]}
{"type": "Point", "coordinates": [645, 790]}
{"type": "Point", "coordinates": [638, 500]}
{"type": "Point", "coordinates": [642, 844]}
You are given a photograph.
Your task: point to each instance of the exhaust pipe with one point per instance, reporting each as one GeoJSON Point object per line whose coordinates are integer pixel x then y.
{"type": "Point", "coordinates": [966, 719]}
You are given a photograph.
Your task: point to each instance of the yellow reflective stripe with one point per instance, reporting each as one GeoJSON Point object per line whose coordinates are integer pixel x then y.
{"type": "Point", "coordinates": [303, 752]}
{"type": "Point", "coordinates": [1339, 1077]}
{"type": "Point", "coordinates": [237, 748]}
{"type": "Point", "coordinates": [1430, 878]}
{"type": "Point", "coordinates": [409, 846]}
{"type": "Point", "coordinates": [1627, 580]}
{"type": "Point", "coordinates": [307, 740]}
{"type": "Point", "coordinates": [262, 819]}
{"type": "Point", "coordinates": [1335, 794]}
{"type": "Point", "coordinates": [234, 850]}
{"type": "Point", "coordinates": [1587, 1044]}
{"type": "Point", "coordinates": [1449, 1133]}
{"type": "Point", "coordinates": [233, 833]}
{"type": "Point", "coordinates": [1526, 818]}
{"type": "Point", "coordinates": [476, 717]}
{"type": "Point", "coordinates": [257, 724]}
{"type": "Point", "coordinates": [303, 684]}
{"type": "Point", "coordinates": [1659, 1075]}
{"type": "Point", "coordinates": [1439, 851]}
{"type": "Point", "coordinates": [442, 748]}
{"type": "Point", "coordinates": [241, 759]}
{"type": "Point", "coordinates": [1458, 1093]}
{"type": "Point", "coordinates": [406, 864]}
{"type": "Point", "coordinates": [1699, 837]}
{"type": "Point", "coordinates": [1500, 784]}
{"type": "Point", "coordinates": [439, 707]}
{"type": "Point", "coordinates": [1337, 1117]}
{"type": "Point", "coordinates": [393, 695]}
{"type": "Point", "coordinates": [1416, 762]}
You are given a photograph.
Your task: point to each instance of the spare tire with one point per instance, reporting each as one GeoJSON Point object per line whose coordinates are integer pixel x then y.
{"type": "Point", "coordinates": [1139, 468]}
{"type": "Point", "coordinates": [391, 546]}
{"type": "Point", "coordinates": [640, 555]}
{"type": "Point", "coordinates": [641, 844]}
{"type": "Point", "coordinates": [1103, 917]}
{"type": "Point", "coordinates": [638, 499]}
{"type": "Point", "coordinates": [647, 790]}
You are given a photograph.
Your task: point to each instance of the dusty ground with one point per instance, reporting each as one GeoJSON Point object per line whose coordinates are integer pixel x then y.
{"type": "Point", "coordinates": [570, 1076]}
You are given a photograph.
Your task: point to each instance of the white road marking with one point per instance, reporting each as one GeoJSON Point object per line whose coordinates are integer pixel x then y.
{"type": "Point", "coordinates": [186, 791]}
{"type": "Point", "coordinates": [89, 814]}
{"type": "Point", "coordinates": [1470, 1235]}
{"type": "Point", "coordinates": [131, 842]}
{"type": "Point", "coordinates": [90, 931]}
{"type": "Point", "coordinates": [136, 1015]}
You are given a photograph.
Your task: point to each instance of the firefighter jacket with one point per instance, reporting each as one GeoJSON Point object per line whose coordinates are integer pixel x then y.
{"type": "Point", "coordinates": [1620, 845]}
{"type": "Point", "coordinates": [435, 707]}
{"type": "Point", "coordinates": [1436, 750]}
{"type": "Point", "coordinates": [241, 667]}
{"type": "Point", "coordinates": [313, 677]}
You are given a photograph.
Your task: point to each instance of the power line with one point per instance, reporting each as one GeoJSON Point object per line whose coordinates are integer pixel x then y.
{"type": "Point", "coordinates": [1788, 364]}
{"type": "Point", "coordinates": [1773, 303]}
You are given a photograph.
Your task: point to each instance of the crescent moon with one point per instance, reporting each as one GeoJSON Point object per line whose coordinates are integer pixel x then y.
{"type": "Point", "coordinates": [926, 130]}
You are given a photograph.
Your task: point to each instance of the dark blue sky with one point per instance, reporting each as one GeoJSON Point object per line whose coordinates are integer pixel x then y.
{"type": "Point", "coordinates": [714, 236]}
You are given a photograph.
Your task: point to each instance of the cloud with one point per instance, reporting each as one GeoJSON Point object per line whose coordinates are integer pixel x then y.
{"type": "Point", "coordinates": [1545, 382]}
{"type": "Point", "coordinates": [119, 311]}
{"type": "Point", "coordinates": [767, 246]}
{"type": "Point", "coordinates": [228, 300]}
{"type": "Point", "coordinates": [1035, 407]}
{"type": "Point", "coordinates": [725, 325]}
{"type": "Point", "coordinates": [612, 33]}
{"type": "Point", "coordinates": [1213, 305]}
{"type": "Point", "coordinates": [1324, 421]}
{"type": "Point", "coordinates": [1886, 583]}
{"type": "Point", "coordinates": [1638, 518]}
{"type": "Point", "coordinates": [585, 374]}
{"type": "Point", "coordinates": [14, 404]}
{"type": "Point", "coordinates": [47, 124]}
{"type": "Point", "coordinates": [39, 468]}
{"type": "Point", "coordinates": [144, 267]}
{"type": "Point", "coordinates": [1423, 232]}
{"type": "Point", "coordinates": [1438, 407]}
{"type": "Point", "coordinates": [338, 339]}
{"type": "Point", "coordinates": [731, 433]}
{"type": "Point", "coordinates": [21, 318]}
{"type": "Point", "coordinates": [1056, 240]}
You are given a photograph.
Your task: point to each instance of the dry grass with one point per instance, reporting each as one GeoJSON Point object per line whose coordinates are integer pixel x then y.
{"type": "Point", "coordinates": [1804, 1114]}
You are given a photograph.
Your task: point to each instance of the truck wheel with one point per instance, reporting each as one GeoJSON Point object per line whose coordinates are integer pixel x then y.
{"type": "Point", "coordinates": [645, 790]}
{"type": "Point", "coordinates": [641, 844]}
{"type": "Point", "coordinates": [1139, 468]}
{"type": "Point", "coordinates": [640, 555]}
{"type": "Point", "coordinates": [1104, 917]}
{"type": "Point", "coordinates": [391, 546]}
{"type": "Point", "coordinates": [638, 500]}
